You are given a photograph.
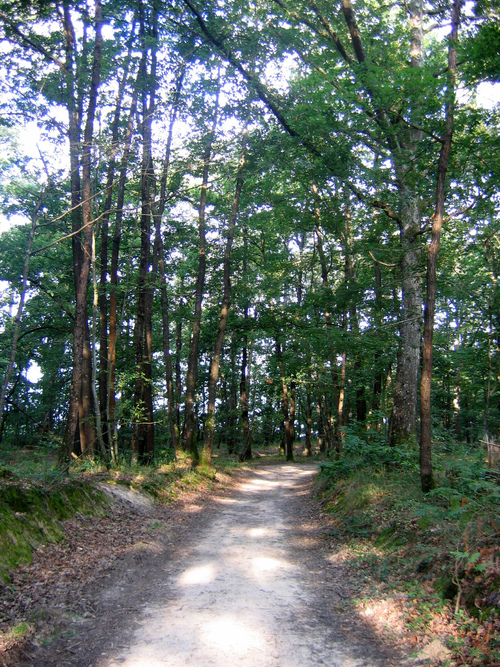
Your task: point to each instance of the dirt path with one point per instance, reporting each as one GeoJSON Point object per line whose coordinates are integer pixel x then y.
{"type": "Point", "coordinates": [244, 582]}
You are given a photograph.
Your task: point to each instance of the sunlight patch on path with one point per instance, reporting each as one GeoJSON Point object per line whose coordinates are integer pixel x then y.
{"type": "Point", "coordinates": [202, 574]}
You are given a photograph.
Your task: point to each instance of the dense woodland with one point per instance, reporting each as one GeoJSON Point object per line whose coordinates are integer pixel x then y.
{"type": "Point", "coordinates": [245, 222]}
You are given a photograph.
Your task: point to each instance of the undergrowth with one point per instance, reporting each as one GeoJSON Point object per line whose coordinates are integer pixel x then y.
{"type": "Point", "coordinates": [440, 549]}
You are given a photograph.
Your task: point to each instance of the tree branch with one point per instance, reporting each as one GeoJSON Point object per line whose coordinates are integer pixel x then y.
{"type": "Point", "coordinates": [29, 42]}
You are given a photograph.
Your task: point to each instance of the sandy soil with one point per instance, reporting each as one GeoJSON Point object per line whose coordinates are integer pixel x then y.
{"type": "Point", "coordinates": [238, 579]}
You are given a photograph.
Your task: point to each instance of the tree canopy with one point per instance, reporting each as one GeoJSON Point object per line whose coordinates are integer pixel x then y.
{"type": "Point", "coordinates": [240, 216]}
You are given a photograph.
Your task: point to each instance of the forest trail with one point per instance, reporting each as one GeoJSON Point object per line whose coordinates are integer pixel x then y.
{"type": "Point", "coordinates": [249, 583]}
{"type": "Point", "coordinates": [245, 595]}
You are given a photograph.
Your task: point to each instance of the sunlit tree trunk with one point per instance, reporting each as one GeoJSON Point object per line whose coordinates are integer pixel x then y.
{"type": "Point", "coordinates": [113, 293]}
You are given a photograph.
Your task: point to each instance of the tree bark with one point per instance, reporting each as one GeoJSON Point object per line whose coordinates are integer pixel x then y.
{"type": "Point", "coordinates": [233, 401]}
{"type": "Point", "coordinates": [143, 422]}
{"type": "Point", "coordinates": [189, 435]}
{"type": "Point", "coordinates": [159, 263]}
{"type": "Point", "coordinates": [402, 424]}
{"type": "Point", "coordinates": [287, 431]}
{"type": "Point", "coordinates": [104, 257]}
{"type": "Point", "coordinates": [226, 299]}
{"type": "Point", "coordinates": [432, 251]}
{"type": "Point", "coordinates": [178, 375]}
{"type": "Point", "coordinates": [290, 426]}
{"type": "Point", "coordinates": [80, 331]}
{"type": "Point", "coordinates": [113, 295]}
{"type": "Point", "coordinates": [403, 428]}
{"type": "Point", "coordinates": [308, 443]}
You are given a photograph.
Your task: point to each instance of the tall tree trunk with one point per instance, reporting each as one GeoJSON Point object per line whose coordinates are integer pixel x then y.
{"type": "Point", "coordinates": [143, 427]}
{"type": "Point", "coordinates": [285, 404]}
{"type": "Point", "coordinates": [88, 437]}
{"type": "Point", "coordinates": [189, 435]}
{"type": "Point", "coordinates": [226, 299]}
{"type": "Point", "coordinates": [103, 282]}
{"type": "Point", "coordinates": [159, 263]}
{"type": "Point", "coordinates": [403, 428]}
{"type": "Point", "coordinates": [432, 251]}
{"type": "Point", "coordinates": [378, 379]}
{"type": "Point", "coordinates": [74, 102]}
{"type": "Point", "coordinates": [178, 375]}
{"type": "Point", "coordinates": [402, 424]}
{"type": "Point", "coordinates": [113, 295]}
{"type": "Point", "coordinates": [351, 313]}
{"type": "Point", "coordinates": [82, 278]}
{"type": "Point", "coordinates": [339, 432]}
{"type": "Point", "coordinates": [99, 430]}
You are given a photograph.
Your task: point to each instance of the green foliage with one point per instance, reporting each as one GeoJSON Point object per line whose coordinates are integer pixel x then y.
{"type": "Point", "coordinates": [430, 548]}
{"type": "Point", "coordinates": [481, 54]}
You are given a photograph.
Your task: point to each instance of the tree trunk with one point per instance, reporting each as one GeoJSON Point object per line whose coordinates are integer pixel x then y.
{"type": "Point", "coordinates": [403, 428]}
{"type": "Point", "coordinates": [432, 251]}
{"type": "Point", "coordinates": [178, 376]}
{"type": "Point", "coordinates": [103, 290]}
{"type": "Point", "coordinates": [143, 422]}
{"type": "Point", "coordinates": [80, 331]}
{"type": "Point", "coordinates": [378, 379]}
{"type": "Point", "coordinates": [226, 298]}
{"type": "Point", "coordinates": [339, 431]}
{"type": "Point", "coordinates": [159, 263]}
{"type": "Point", "coordinates": [286, 431]}
{"type": "Point", "coordinates": [189, 435]}
{"type": "Point", "coordinates": [113, 296]}
{"type": "Point", "coordinates": [86, 409]}
{"type": "Point", "coordinates": [99, 431]}
{"type": "Point", "coordinates": [233, 402]}
{"type": "Point", "coordinates": [402, 425]}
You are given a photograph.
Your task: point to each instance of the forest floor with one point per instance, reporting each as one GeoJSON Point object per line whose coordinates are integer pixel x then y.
{"type": "Point", "coordinates": [236, 571]}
